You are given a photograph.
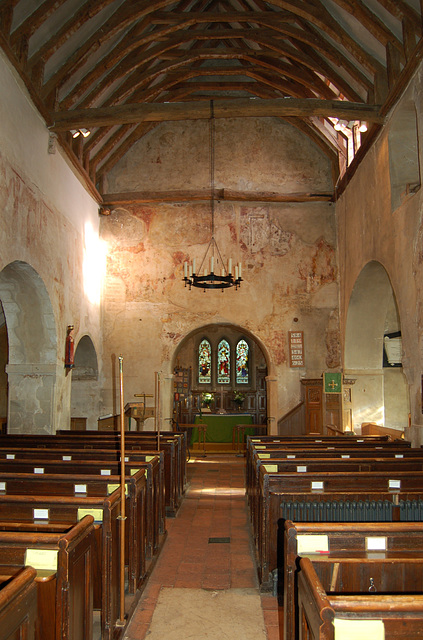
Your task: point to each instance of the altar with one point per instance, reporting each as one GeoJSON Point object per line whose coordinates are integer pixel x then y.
{"type": "Point", "coordinates": [220, 426]}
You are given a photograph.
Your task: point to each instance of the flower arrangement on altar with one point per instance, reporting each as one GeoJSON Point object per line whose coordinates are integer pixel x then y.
{"type": "Point", "coordinates": [207, 398]}
{"type": "Point", "coordinates": [238, 398]}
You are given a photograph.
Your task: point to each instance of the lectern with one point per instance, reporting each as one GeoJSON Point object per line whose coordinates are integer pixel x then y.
{"type": "Point", "coordinates": [139, 412]}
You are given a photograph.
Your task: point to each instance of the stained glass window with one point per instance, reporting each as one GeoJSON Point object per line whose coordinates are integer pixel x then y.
{"type": "Point", "coordinates": [242, 364]}
{"type": "Point", "coordinates": [223, 363]}
{"type": "Point", "coordinates": [204, 362]}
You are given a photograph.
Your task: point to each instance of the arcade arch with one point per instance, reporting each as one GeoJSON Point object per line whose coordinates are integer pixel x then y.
{"type": "Point", "coordinates": [29, 331]}
{"type": "Point", "coordinates": [380, 392]}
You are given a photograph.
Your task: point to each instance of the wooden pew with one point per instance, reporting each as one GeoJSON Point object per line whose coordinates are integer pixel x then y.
{"type": "Point", "coordinates": [65, 585]}
{"type": "Point", "coordinates": [137, 544]}
{"type": "Point", "coordinates": [395, 610]}
{"type": "Point", "coordinates": [171, 445]}
{"type": "Point", "coordinates": [18, 606]}
{"type": "Point", "coordinates": [365, 496]}
{"type": "Point", "coordinates": [50, 513]}
{"type": "Point", "coordinates": [334, 541]}
{"type": "Point", "coordinates": [89, 464]}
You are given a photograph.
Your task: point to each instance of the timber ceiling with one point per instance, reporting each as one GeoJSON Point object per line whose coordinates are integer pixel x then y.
{"type": "Point", "coordinates": [119, 67]}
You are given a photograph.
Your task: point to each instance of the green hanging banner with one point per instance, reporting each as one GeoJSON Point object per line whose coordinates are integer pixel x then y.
{"type": "Point", "coordinates": [332, 382]}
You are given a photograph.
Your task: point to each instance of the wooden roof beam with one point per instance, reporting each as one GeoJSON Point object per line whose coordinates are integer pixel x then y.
{"type": "Point", "coordinates": [136, 113]}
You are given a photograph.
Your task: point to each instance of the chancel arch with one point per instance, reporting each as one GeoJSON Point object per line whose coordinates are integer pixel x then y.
{"type": "Point", "coordinates": [222, 343]}
{"type": "Point", "coordinates": [373, 352]}
{"type": "Point", "coordinates": [85, 390]}
{"type": "Point", "coordinates": [32, 350]}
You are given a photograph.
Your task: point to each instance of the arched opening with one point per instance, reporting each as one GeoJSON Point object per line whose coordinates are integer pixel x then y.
{"type": "Point", "coordinates": [220, 393]}
{"type": "Point", "coordinates": [380, 393]}
{"type": "Point", "coordinates": [85, 386]}
{"type": "Point", "coordinates": [30, 334]}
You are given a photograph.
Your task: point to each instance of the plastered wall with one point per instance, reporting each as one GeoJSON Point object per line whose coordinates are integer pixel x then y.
{"type": "Point", "coordinates": [287, 251]}
{"type": "Point", "coordinates": [46, 217]}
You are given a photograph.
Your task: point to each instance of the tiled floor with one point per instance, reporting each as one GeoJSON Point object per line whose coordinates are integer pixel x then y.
{"type": "Point", "coordinates": [214, 507]}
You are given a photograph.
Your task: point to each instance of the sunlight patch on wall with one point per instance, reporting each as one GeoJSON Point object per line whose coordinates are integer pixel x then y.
{"type": "Point", "coordinates": [94, 264]}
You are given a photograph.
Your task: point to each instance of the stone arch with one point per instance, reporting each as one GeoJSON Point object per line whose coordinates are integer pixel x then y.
{"type": "Point", "coordinates": [380, 393]}
{"type": "Point", "coordinates": [225, 329]}
{"type": "Point", "coordinates": [85, 391]}
{"type": "Point", "coordinates": [32, 350]}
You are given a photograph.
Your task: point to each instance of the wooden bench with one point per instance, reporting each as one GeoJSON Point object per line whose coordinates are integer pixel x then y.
{"type": "Point", "coordinates": [137, 544]}
{"type": "Point", "coordinates": [395, 611]}
{"type": "Point", "coordinates": [51, 514]}
{"type": "Point", "coordinates": [333, 541]}
{"type": "Point", "coordinates": [18, 606]}
{"type": "Point", "coordinates": [171, 445]}
{"type": "Point", "coordinates": [85, 464]}
{"type": "Point", "coordinates": [326, 496]}
{"type": "Point", "coordinates": [64, 579]}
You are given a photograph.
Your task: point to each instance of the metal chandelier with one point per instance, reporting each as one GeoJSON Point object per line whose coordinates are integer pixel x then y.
{"type": "Point", "coordinates": [212, 280]}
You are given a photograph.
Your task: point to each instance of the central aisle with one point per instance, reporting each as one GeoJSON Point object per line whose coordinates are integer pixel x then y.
{"type": "Point", "coordinates": [208, 548]}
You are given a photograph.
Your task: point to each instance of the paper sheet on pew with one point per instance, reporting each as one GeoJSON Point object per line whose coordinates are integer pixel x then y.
{"type": "Point", "coordinates": [359, 629]}
{"type": "Point", "coordinates": [41, 559]}
{"type": "Point", "coordinates": [314, 543]}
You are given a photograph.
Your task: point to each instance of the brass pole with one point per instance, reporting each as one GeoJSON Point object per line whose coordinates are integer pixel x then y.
{"type": "Point", "coordinates": [122, 516]}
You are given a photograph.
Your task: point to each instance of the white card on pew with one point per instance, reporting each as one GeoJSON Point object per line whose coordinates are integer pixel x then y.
{"type": "Point", "coordinates": [301, 468]}
{"type": "Point", "coordinates": [66, 457]}
{"type": "Point", "coordinates": [395, 484]}
{"type": "Point", "coordinates": [41, 559]}
{"type": "Point", "coordinates": [399, 455]}
{"type": "Point", "coordinates": [38, 470]}
{"type": "Point", "coordinates": [134, 471]}
{"type": "Point", "coordinates": [271, 468]}
{"type": "Point", "coordinates": [80, 488]}
{"type": "Point", "coordinates": [10, 456]}
{"type": "Point", "coordinates": [376, 543]}
{"type": "Point", "coordinates": [97, 514]}
{"type": "Point", "coordinates": [290, 455]}
{"type": "Point", "coordinates": [263, 456]}
{"type": "Point", "coordinates": [312, 543]}
{"type": "Point", "coordinates": [317, 485]}
{"type": "Point", "coordinates": [113, 487]}
{"type": "Point", "coordinates": [40, 514]}
{"type": "Point", "coordinates": [359, 629]}
{"type": "Point", "coordinates": [2, 486]}
{"type": "Point", "coordinates": [254, 440]}
{"type": "Point", "coordinates": [105, 472]}
{"type": "Point", "coordinates": [260, 446]}
{"type": "Point", "coordinates": [345, 456]}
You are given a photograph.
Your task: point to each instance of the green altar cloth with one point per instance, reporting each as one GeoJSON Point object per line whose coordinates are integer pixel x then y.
{"type": "Point", "coordinates": [220, 426]}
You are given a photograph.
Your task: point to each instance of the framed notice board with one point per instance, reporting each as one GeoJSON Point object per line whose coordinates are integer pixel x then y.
{"type": "Point", "coordinates": [296, 348]}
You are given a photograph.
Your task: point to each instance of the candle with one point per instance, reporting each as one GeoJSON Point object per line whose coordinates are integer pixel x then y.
{"type": "Point", "coordinates": [193, 266]}
{"type": "Point", "coordinates": [190, 271]}
{"type": "Point", "coordinates": [185, 269]}
{"type": "Point", "coordinates": [236, 272]}
{"type": "Point", "coordinates": [239, 270]}
{"type": "Point", "coordinates": [212, 264]}
{"type": "Point", "coordinates": [230, 265]}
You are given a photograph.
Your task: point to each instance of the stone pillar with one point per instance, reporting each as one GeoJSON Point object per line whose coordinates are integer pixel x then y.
{"type": "Point", "coordinates": [31, 402]}
{"type": "Point", "coordinates": [272, 405]}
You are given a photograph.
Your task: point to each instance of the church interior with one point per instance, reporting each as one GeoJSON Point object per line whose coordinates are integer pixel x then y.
{"type": "Point", "coordinates": [211, 235]}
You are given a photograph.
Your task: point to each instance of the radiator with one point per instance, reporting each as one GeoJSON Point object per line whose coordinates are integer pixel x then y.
{"type": "Point", "coordinates": [411, 510]}
{"type": "Point", "coordinates": [338, 511]}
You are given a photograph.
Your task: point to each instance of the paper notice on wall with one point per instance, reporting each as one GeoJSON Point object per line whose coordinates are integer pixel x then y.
{"type": "Point", "coordinates": [359, 629]}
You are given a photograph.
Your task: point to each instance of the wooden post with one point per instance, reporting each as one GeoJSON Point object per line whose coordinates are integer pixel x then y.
{"type": "Point", "coordinates": [157, 408]}
{"type": "Point", "coordinates": [122, 516]}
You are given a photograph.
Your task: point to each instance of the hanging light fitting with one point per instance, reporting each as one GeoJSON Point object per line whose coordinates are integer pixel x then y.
{"type": "Point", "coordinates": [212, 280]}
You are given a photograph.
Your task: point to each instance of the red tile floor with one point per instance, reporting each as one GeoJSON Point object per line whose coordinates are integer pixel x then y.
{"type": "Point", "coordinates": [214, 506]}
